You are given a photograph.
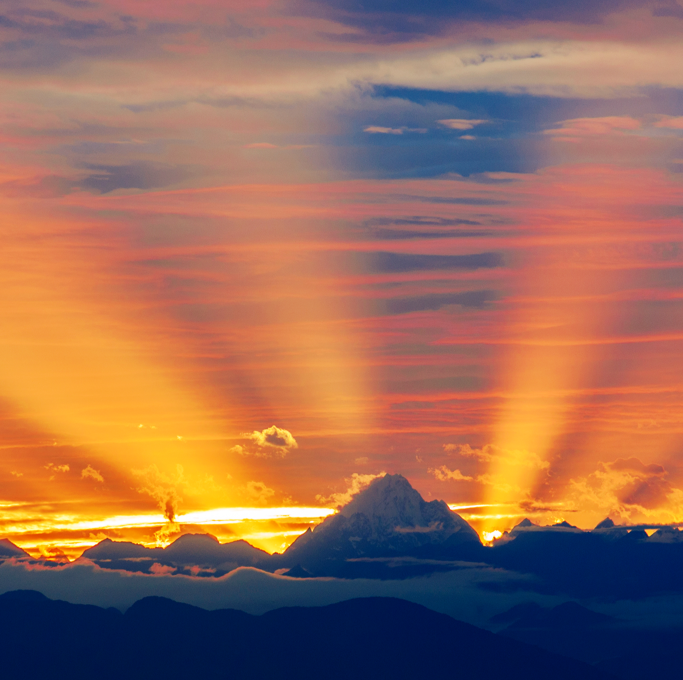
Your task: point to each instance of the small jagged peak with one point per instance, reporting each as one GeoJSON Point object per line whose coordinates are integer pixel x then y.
{"type": "Point", "coordinates": [606, 523]}
{"type": "Point", "coordinates": [8, 549]}
{"type": "Point", "coordinates": [526, 522]}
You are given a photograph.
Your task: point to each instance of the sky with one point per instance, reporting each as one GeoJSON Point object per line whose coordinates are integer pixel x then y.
{"type": "Point", "coordinates": [256, 254]}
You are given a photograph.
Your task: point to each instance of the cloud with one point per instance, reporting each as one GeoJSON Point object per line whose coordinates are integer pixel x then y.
{"type": "Point", "coordinates": [136, 175]}
{"type": "Point", "coordinates": [50, 24]}
{"type": "Point", "coordinates": [635, 465]}
{"type": "Point", "coordinates": [387, 21]}
{"type": "Point", "coordinates": [57, 468]}
{"type": "Point", "coordinates": [489, 455]}
{"type": "Point", "coordinates": [259, 492]}
{"type": "Point", "coordinates": [357, 482]}
{"type": "Point", "coordinates": [460, 123]}
{"type": "Point", "coordinates": [670, 9]}
{"type": "Point", "coordinates": [275, 436]}
{"type": "Point", "coordinates": [90, 472]}
{"type": "Point", "coordinates": [670, 122]}
{"type": "Point", "coordinates": [443, 474]}
{"type": "Point", "coordinates": [420, 221]}
{"type": "Point", "coordinates": [377, 130]}
{"type": "Point", "coordinates": [471, 298]}
{"type": "Point", "coordinates": [394, 263]}
{"type": "Point", "coordinates": [271, 440]}
{"type": "Point", "coordinates": [577, 128]}
{"type": "Point", "coordinates": [47, 186]}
{"type": "Point", "coordinates": [628, 489]}
{"type": "Point", "coordinates": [164, 489]}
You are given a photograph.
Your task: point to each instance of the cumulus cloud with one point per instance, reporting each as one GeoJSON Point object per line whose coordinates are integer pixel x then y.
{"type": "Point", "coordinates": [629, 489]}
{"type": "Point", "coordinates": [272, 440]}
{"type": "Point", "coordinates": [90, 473]}
{"type": "Point", "coordinates": [51, 467]}
{"type": "Point", "coordinates": [460, 123]}
{"type": "Point", "coordinates": [259, 492]}
{"type": "Point", "coordinates": [443, 474]}
{"type": "Point", "coordinates": [57, 468]}
{"type": "Point", "coordinates": [357, 482]}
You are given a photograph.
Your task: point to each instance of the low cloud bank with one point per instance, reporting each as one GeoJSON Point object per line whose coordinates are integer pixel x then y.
{"type": "Point", "coordinates": [457, 593]}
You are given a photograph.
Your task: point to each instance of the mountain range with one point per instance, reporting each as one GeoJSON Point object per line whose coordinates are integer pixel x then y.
{"type": "Point", "coordinates": [389, 531]}
{"type": "Point", "coordinates": [369, 638]}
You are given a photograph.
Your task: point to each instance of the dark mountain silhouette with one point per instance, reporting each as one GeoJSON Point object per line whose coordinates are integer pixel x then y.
{"type": "Point", "coordinates": [606, 523]}
{"type": "Point", "coordinates": [118, 550]}
{"type": "Point", "coordinates": [590, 564]}
{"type": "Point", "coordinates": [297, 572]}
{"type": "Point", "coordinates": [24, 596]}
{"type": "Point", "coordinates": [373, 638]}
{"type": "Point", "coordinates": [576, 631]}
{"type": "Point", "coordinates": [190, 550]}
{"type": "Point", "coordinates": [8, 549]}
{"type": "Point", "coordinates": [566, 615]}
{"type": "Point", "coordinates": [516, 613]}
{"type": "Point", "coordinates": [655, 656]}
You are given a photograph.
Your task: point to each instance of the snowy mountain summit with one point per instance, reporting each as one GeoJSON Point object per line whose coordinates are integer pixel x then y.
{"type": "Point", "coordinates": [390, 505]}
{"type": "Point", "coordinates": [387, 519]}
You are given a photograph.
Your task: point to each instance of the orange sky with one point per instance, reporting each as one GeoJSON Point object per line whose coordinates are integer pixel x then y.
{"type": "Point", "coordinates": [249, 263]}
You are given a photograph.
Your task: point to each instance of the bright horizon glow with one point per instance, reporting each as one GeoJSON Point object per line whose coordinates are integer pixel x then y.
{"type": "Point", "coordinates": [217, 516]}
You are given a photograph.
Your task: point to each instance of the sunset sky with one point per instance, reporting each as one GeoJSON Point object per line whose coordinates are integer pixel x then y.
{"type": "Point", "coordinates": [256, 253]}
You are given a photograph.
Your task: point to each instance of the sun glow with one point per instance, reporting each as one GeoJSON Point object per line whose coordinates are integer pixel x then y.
{"type": "Point", "coordinates": [488, 537]}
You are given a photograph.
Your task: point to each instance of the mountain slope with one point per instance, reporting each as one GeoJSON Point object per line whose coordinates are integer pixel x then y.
{"type": "Point", "coordinates": [8, 549]}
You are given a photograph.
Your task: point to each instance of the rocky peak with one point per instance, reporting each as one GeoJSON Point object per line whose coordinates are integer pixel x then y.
{"type": "Point", "coordinates": [389, 497]}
